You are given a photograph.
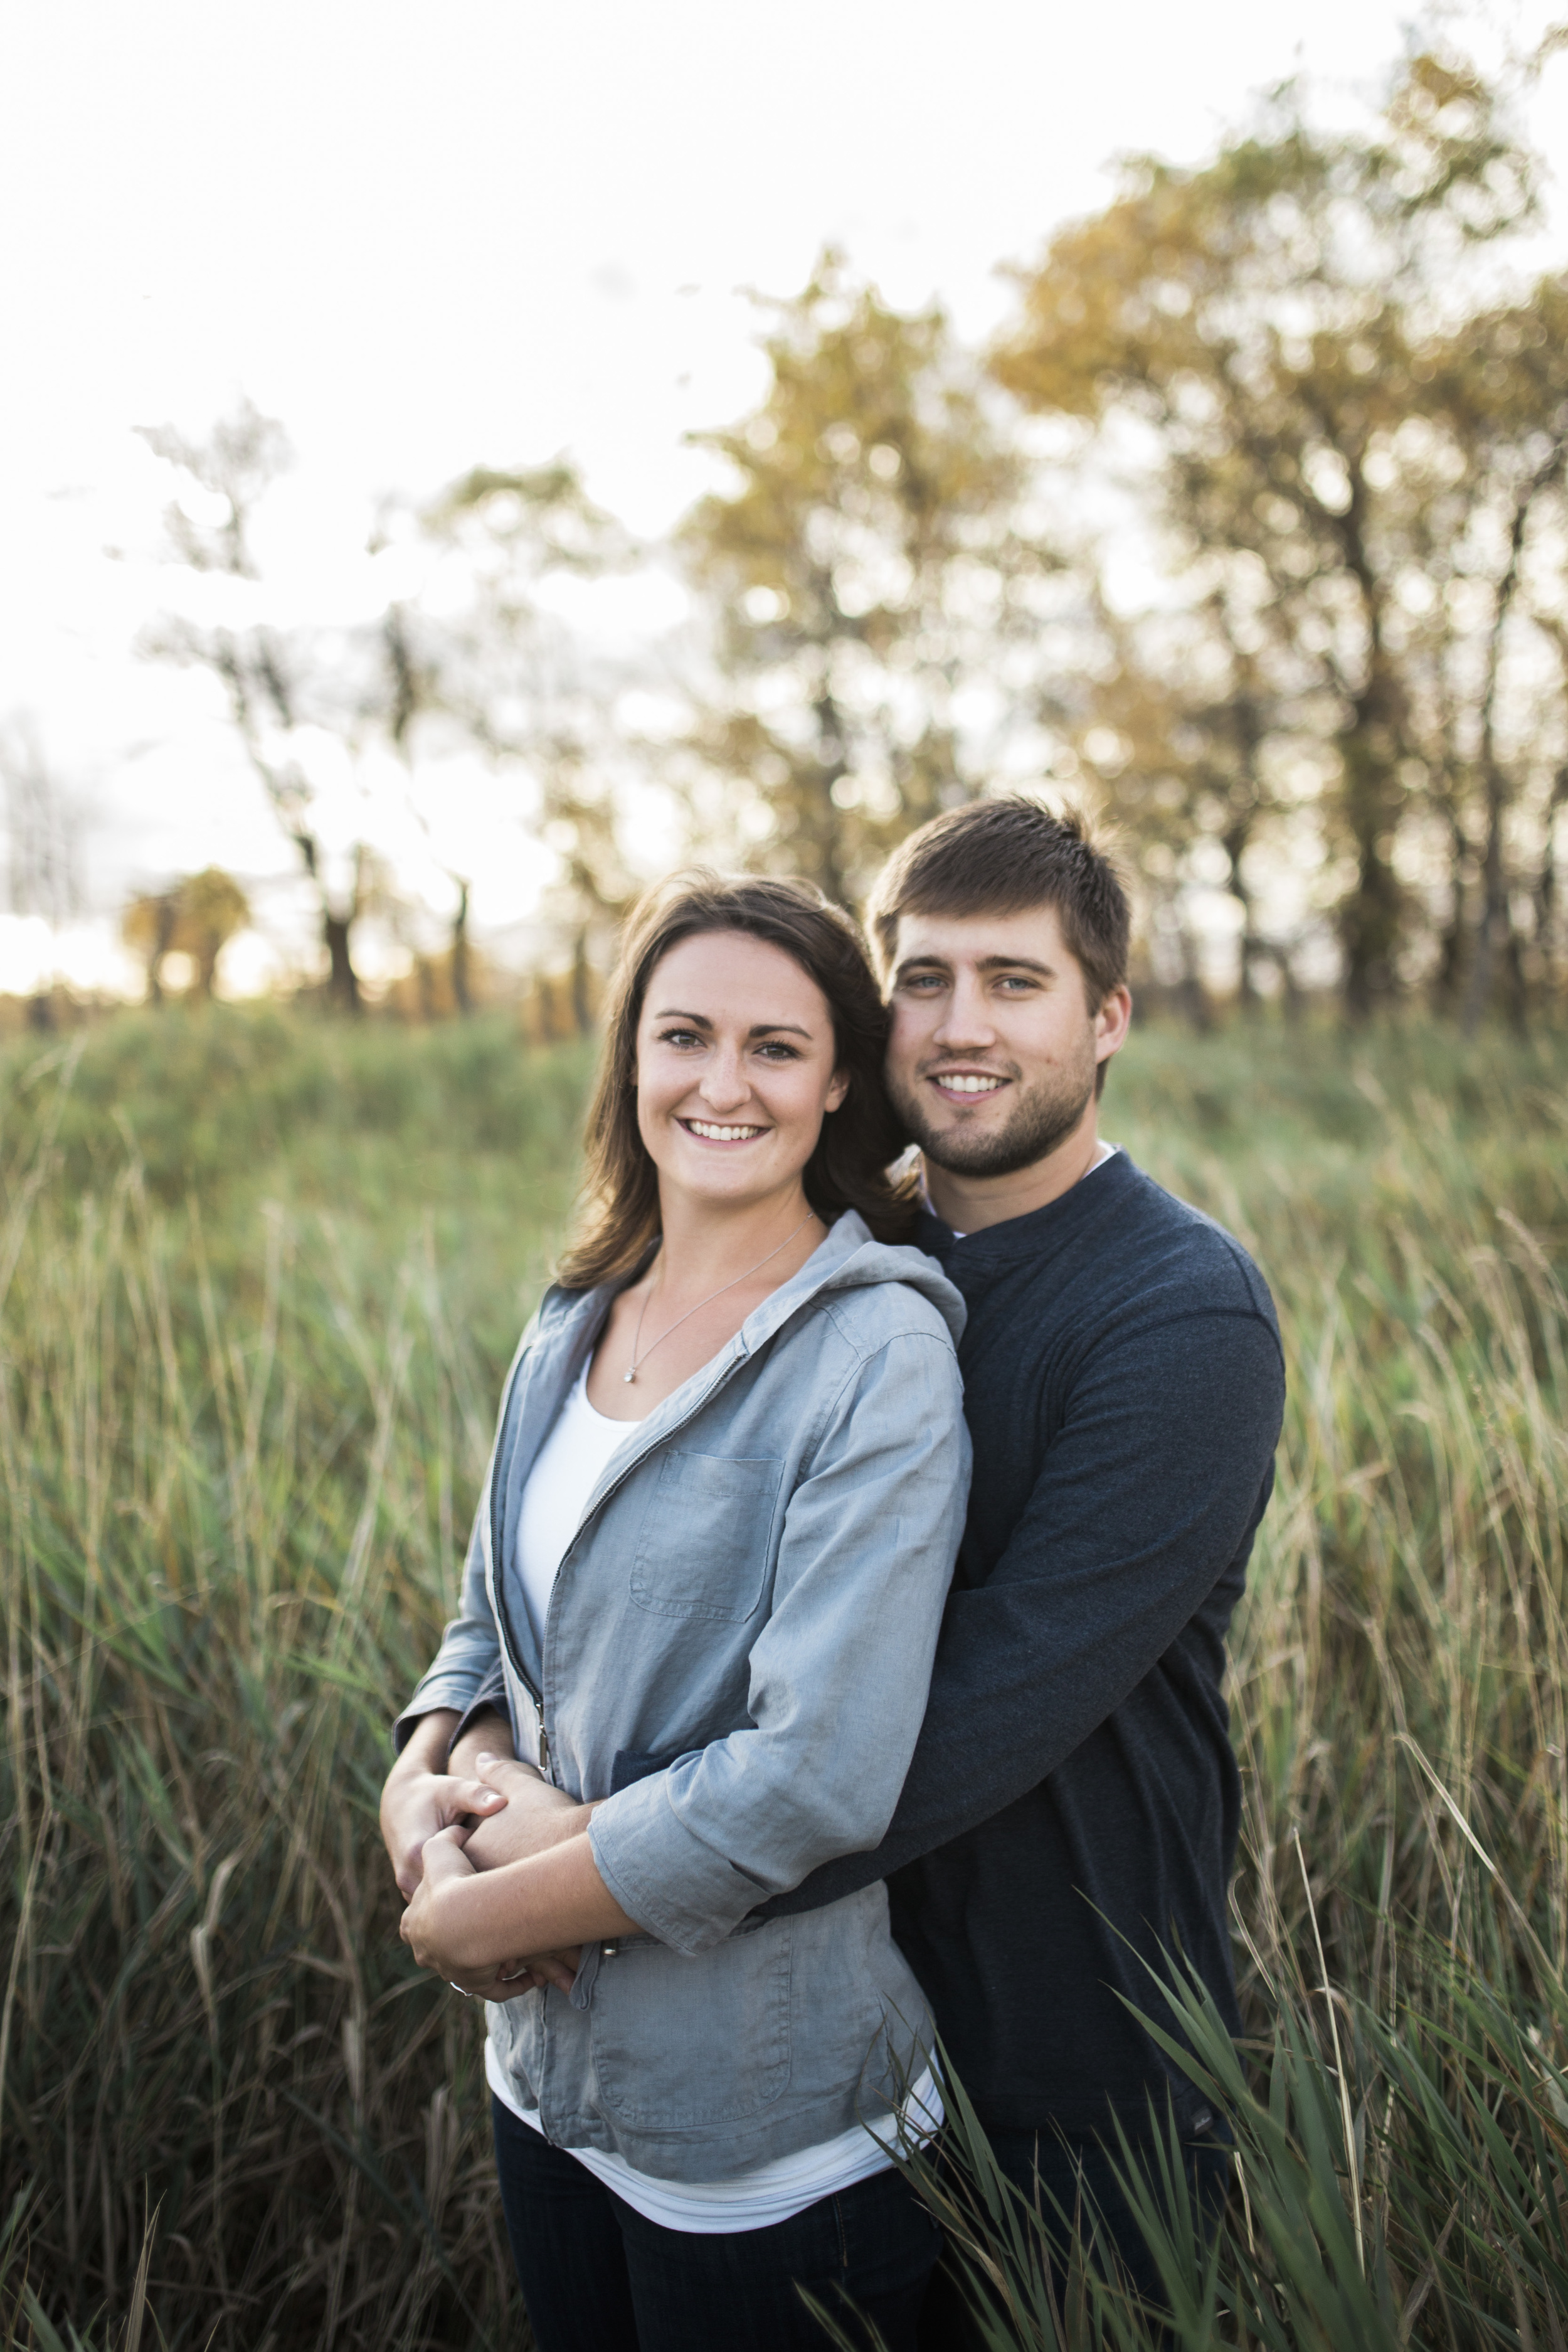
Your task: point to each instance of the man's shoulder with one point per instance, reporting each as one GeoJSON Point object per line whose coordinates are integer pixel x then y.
{"type": "Point", "coordinates": [1181, 1251]}
{"type": "Point", "coordinates": [1117, 1255]}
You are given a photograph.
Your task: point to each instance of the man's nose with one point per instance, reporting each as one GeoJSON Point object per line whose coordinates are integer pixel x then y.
{"type": "Point", "coordinates": [965, 1020]}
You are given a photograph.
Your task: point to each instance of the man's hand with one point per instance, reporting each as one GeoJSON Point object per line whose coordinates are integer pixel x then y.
{"type": "Point", "coordinates": [531, 1817]}
{"type": "Point", "coordinates": [441, 1863]}
{"type": "Point", "coordinates": [421, 1799]}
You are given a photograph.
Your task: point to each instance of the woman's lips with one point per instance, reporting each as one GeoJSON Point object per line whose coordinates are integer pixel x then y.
{"type": "Point", "coordinates": [724, 1133]}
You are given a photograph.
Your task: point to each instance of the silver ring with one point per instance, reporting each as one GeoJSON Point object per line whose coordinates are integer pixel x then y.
{"type": "Point", "coordinates": [458, 1988]}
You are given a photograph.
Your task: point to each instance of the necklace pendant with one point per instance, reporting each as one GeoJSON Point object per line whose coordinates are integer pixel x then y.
{"type": "Point", "coordinates": [631, 1376]}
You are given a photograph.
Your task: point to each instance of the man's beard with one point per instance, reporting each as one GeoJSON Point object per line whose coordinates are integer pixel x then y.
{"type": "Point", "coordinates": [1043, 1117]}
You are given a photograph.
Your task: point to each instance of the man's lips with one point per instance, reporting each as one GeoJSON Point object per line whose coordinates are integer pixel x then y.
{"type": "Point", "coordinates": [725, 1133]}
{"type": "Point", "coordinates": [967, 1086]}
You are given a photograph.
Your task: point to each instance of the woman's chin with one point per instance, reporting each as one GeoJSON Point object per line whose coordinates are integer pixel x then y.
{"type": "Point", "coordinates": [728, 1175]}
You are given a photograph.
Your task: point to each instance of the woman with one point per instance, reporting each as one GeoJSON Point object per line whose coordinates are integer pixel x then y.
{"type": "Point", "coordinates": [707, 1573]}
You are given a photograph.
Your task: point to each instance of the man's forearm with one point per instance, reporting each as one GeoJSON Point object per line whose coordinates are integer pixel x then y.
{"type": "Point", "coordinates": [548, 1902]}
{"type": "Point", "coordinates": [1073, 1614]}
{"type": "Point", "coordinates": [535, 1818]}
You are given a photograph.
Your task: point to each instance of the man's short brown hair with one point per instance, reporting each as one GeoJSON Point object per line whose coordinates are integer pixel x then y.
{"type": "Point", "coordinates": [997, 858]}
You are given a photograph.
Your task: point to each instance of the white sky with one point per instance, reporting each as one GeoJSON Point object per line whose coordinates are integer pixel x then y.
{"type": "Point", "coordinates": [424, 237]}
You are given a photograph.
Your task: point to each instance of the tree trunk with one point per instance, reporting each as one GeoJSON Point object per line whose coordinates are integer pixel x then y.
{"type": "Point", "coordinates": [343, 980]}
{"type": "Point", "coordinates": [1370, 920]}
{"type": "Point", "coordinates": [1545, 892]}
{"type": "Point", "coordinates": [1497, 922]}
{"type": "Point", "coordinates": [1234, 844]}
{"type": "Point", "coordinates": [1490, 938]}
{"type": "Point", "coordinates": [461, 994]}
{"type": "Point", "coordinates": [582, 987]}
{"type": "Point", "coordinates": [1448, 978]}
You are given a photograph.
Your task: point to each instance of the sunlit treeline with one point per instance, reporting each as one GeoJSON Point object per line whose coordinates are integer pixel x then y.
{"type": "Point", "coordinates": [1249, 529]}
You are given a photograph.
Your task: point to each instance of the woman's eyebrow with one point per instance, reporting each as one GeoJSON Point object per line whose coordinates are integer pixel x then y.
{"type": "Point", "coordinates": [758, 1029]}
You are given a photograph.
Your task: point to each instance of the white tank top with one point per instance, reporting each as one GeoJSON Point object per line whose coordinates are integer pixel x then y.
{"type": "Point", "coordinates": [566, 1471]}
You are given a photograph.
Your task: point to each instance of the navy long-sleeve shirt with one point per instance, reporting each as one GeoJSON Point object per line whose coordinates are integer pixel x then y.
{"type": "Point", "coordinates": [1073, 1803]}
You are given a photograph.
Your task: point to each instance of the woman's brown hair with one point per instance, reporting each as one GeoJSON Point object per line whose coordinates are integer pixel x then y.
{"type": "Point", "coordinates": [848, 1168]}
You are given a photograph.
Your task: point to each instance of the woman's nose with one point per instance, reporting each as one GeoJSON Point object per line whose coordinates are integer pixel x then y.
{"type": "Point", "coordinates": [725, 1084]}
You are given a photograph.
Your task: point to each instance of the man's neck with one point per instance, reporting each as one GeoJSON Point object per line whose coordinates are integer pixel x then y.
{"type": "Point", "coordinates": [970, 1204]}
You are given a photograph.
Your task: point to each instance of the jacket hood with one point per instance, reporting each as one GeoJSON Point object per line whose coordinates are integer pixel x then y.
{"type": "Point", "coordinates": [847, 1259]}
{"type": "Point", "coordinates": [850, 1259]}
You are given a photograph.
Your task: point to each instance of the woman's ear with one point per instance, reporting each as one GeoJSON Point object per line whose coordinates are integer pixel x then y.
{"type": "Point", "coordinates": [837, 1090]}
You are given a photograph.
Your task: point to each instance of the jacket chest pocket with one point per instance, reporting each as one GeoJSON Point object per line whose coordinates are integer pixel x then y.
{"type": "Point", "coordinates": [703, 1550]}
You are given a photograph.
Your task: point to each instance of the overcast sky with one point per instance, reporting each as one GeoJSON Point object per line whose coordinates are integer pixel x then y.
{"type": "Point", "coordinates": [425, 236]}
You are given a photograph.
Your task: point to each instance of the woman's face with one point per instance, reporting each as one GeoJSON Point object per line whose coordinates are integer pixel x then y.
{"type": "Point", "coordinates": [735, 1068]}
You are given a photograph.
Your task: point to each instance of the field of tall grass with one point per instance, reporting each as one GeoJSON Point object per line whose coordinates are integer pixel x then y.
{"type": "Point", "coordinates": [260, 1278]}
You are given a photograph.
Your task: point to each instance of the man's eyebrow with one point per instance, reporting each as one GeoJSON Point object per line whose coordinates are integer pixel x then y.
{"type": "Point", "coordinates": [982, 963]}
{"type": "Point", "coordinates": [1016, 964]}
{"type": "Point", "coordinates": [758, 1029]}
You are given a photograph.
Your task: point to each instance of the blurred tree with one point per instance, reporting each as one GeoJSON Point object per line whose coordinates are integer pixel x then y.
{"type": "Point", "coordinates": [44, 823]}
{"type": "Point", "coordinates": [43, 829]}
{"type": "Point", "coordinates": [275, 686]}
{"type": "Point", "coordinates": [148, 928]}
{"type": "Point", "coordinates": [874, 587]}
{"type": "Point", "coordinates": [1281, 329]}
{"type": "Point", "coordinates": [195, 916]}
{"type": "Point", "coordinates": [504, 672]}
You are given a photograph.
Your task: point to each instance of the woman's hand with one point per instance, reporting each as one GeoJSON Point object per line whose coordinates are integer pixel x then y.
{"type": "Point", "coordinates": [431, 1931]}
{"type": "Point", "coordinates": [420, 1800]}
{"type": "Point", "coordinates": [515, 1977]}
{"type": "Point", "coordinates": [443, 1865]}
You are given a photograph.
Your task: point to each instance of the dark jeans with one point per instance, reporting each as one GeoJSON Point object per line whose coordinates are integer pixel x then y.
{"type": "Point", "coordinates": [945, 2325]}
{"type": "Point", "coordinates": [597, 2277]}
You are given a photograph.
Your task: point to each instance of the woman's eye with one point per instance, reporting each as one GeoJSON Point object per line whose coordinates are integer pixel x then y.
{"type": "Point", "coordinates": [777, 1052]}
{"type": "Point", "coordinates": [679, 1037]}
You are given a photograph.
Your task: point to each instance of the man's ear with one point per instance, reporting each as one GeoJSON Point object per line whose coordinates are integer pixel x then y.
{"type": "Point", "coordinates": [1112, 1021]}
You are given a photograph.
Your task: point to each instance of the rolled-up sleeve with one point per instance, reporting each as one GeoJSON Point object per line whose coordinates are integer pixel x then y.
{"type": "Point", "coordinates": [839, 1673]}
{"type": "Point", "coordinates": [469, 1657]}
{"type": "Point", "coordinates": [468, 1664]}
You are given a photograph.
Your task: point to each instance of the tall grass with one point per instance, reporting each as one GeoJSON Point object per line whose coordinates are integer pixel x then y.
{"type": "Point", "coordinates": [258, 1281]}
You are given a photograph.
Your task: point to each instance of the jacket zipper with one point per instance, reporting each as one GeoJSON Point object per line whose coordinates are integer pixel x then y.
{"type": "Point", "coordinates": [498, 1604]}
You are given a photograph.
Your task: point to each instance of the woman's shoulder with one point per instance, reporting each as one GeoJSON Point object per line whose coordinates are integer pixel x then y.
{"type": "Point", "coordinates": [880, 1291]}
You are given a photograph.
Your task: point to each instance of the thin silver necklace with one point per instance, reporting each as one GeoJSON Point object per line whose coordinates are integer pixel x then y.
{"type": "Point", "coordinates": [638, 1361]}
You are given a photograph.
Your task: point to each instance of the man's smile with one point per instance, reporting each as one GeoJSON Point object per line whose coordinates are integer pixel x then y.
{"type": "Point", "coordinates": [966, 1086]}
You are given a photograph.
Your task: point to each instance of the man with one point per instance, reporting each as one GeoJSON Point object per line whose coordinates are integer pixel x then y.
{"type": "Point", "coordinates": [1071, 1812]}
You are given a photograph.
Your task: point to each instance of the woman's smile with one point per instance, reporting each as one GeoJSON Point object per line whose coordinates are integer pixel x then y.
{"type": "Point", "coordinates": [710, 1131]}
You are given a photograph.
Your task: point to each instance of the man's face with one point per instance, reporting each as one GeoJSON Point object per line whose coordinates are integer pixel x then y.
{"type": "Point", "coordinates": [993, 1052]}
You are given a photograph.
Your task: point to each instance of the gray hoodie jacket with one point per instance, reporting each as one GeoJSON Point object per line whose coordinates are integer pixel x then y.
{"type": "Point", "coordinates": [736, 1659]}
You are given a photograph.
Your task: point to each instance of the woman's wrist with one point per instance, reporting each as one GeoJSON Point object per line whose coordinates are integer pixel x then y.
{"type": "Point", "coordinates": [428, 1745]}
{"type": "Point", "coordinates": [488, 1733]}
